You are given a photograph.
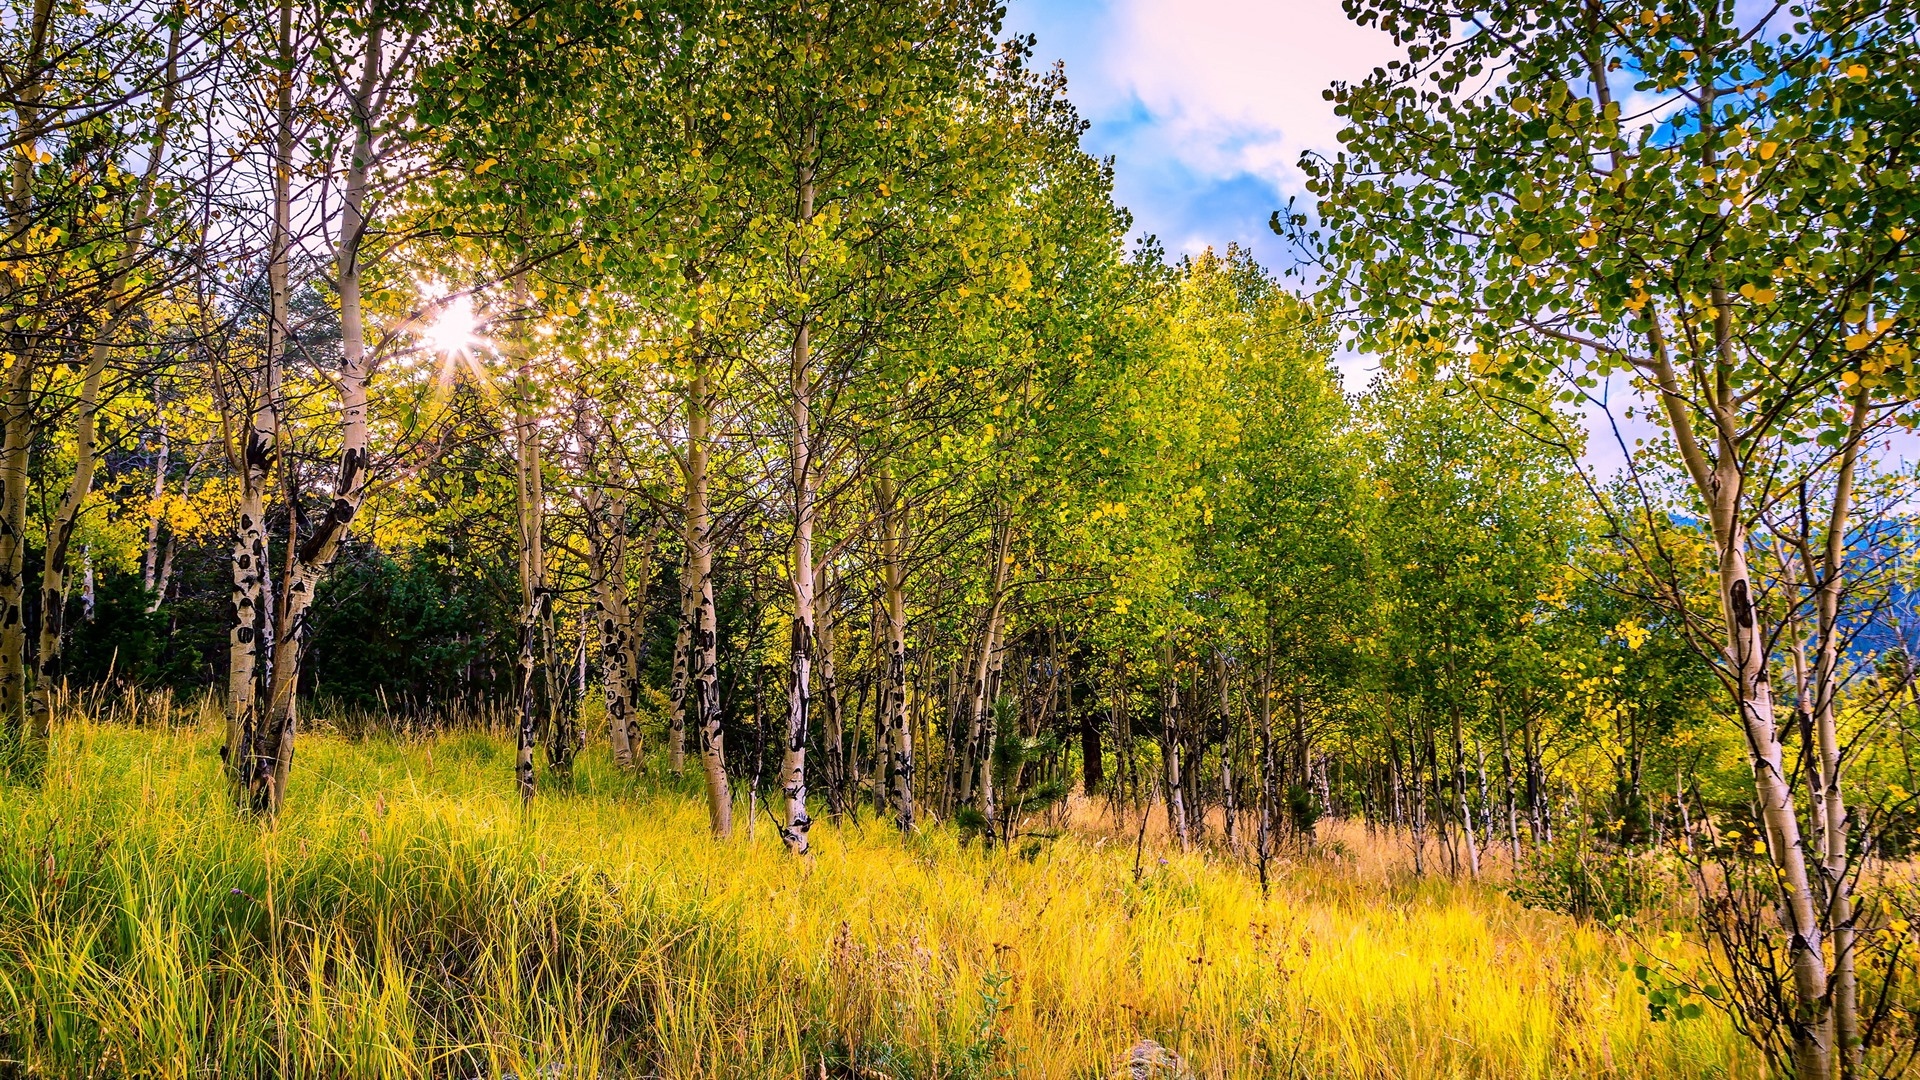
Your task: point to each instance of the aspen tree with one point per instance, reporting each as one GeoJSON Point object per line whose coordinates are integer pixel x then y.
{"type": "Point", "coordinates": [1731, 257]}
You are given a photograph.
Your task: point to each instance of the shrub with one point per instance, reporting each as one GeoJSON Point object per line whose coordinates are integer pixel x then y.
{"type": "Point", "coordinates": [1578, 877]}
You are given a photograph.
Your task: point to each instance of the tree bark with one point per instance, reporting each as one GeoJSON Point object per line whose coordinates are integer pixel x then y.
{"type": "Point", "coordinates": [793, 763]}
{"type": "Point", "coordinates": [978, 782]}
{"type": "Point", "coordinates": [1264, 841]}
{"type": "Point", "coordinates": [1170, 745]}
{"type": "Point", "coordinates": [703, 659]}
{"type": "Point", "coordinates": [835, 736]}
{"type": "Point", "coordinates": [1506, 778]}
{"type": "Point", "coordinates": [1836, 824]}
{"type": "Point", "coordinates": [150, 556]}
{"type": "Point", "coordinates": [53, 577]}
{"type": "Point", "coordinates": [529, 502]}
{"type": "Point", "coordinates": [17, 420]}
{"type": "Point", "coordinates": [1228, 795]}
{"type": "Point", "coordinates": [607, 554]}
{"type": "Point", "coordinates": [1720, 481]}
{"type": "Point", "coordinates": [899, 742]}
{"type": "Point", "coordinates": [53, 580]}
{"type": "Point", "coordinates": [250, 642]}
{"type": "Point", "coordinates": [273, 749]}
{"type": "Point", "coordinates": [682, 652]}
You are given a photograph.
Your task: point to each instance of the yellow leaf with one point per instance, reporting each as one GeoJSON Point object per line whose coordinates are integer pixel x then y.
{"type": "Point", "coordinates": [1898, 234]}
{"type": "Point", "coordinates": [1767, 150]}
{"type": "Point", "coordinates": [1856, 71]}
{"type": "Point", "coordinates": [485, 165]}
{"type": "Point", "coordinates": [1589, 239]}
{"type": "Point", "coordinates": [1849, 377]}
{"type": "Point", "coordinates": [1861, 340]}
{"type": "Point", "coordinates": [1763, 296]}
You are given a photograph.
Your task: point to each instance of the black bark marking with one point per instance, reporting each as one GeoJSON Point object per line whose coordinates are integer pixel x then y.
{"type": "Point", "coordinates": [1742, 605]}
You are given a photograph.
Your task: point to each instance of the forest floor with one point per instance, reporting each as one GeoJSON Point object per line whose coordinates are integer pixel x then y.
{"type": "Point", "coordinates": [405, 917]}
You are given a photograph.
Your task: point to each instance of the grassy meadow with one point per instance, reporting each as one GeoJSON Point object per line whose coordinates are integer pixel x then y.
{"type": "Point", "coordinates": [405, 918]}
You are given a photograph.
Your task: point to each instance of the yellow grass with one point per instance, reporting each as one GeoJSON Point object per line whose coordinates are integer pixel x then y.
{"type": "Point", "coordinates": [406, 919]}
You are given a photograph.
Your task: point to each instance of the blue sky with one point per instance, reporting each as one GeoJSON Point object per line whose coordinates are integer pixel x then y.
{"type": "Point", "coordinates": [1205, 105]}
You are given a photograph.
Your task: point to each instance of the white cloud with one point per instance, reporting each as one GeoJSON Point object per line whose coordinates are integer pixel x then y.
{"type": "Point", "coordinates": [1206, 105]}
{"type": "Point", "coordinates": [1235, 85]}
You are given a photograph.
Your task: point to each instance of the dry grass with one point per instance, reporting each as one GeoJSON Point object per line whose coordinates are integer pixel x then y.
{"type": "Point", "coordinates": [406, 919]}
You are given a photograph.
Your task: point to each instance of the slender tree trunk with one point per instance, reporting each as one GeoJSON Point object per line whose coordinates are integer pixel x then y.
{"type": "Point", "coordinates": [1506, 777]}
{"type": "Point", "coordinates": [1416, 759]}
{"type": "Point", "coordinates": [963, 736]}
{"type": "Point", "coordinates": [163, 577]}
{"type": "Point", "coordinates": [22, 756]}
{"type": "Point", "coordinates": [1834, 857]}
{"type": "Point", "coordinates": [835, 735]}
{"type": "Point", "coordinates": [14, 447]}
{"type": "Point", "coordinates": [1804, 706]}
{"type": "Point", "coordinates": [1395, 785]}
{"type": "Point", "coordinates": [1092, 756]}
{"type": "Point", "coordinates": [607, 556]}
{"type": "Point", "coordinates": [703, 651]}
{"type": "Point", "coordinates": [1721, 483]}
{"type": "Point", "coordinates": [53, 581]}
{"type": "Point", "coordinates": [526, 729]}
{"type": "Point", "coordinates": [1747, 659]}
{"type": "Point", "coordinates": [980, 737]}
{"type": "Point", "coordinates": [150, 556]}
{"type": "Point", "coordinates": [985, 723]}
{"type": "Point", "coordinates": [1538, 821]}
{"type": "Point", "coordinates": [619, 642]}
{"type": "Point", "coordinates": [273, 757]}
{"type": "Point", "coordinates": [1193, 759]}
{"type": "Point", "coordinates": [1170, 746]}
{"type": "Point", "coordinates": [1265, 839]}
{"type": "Point", "coordinates": [534, 602]}
{"type": "Point", "coordinates": [682, 652]}
{"type": "Point", "coordinates": [1460, 796]}
{"type": "Point", "coordinates": [892, 522]}
{"type": "Point", "coordinates": [250, 642]}
{"type": "Point", "coordinates": [48, 670]}
{"type": "Point", "coordinates": [1228, 796]}
{"type": "Point", "coordinates": [793, 764]}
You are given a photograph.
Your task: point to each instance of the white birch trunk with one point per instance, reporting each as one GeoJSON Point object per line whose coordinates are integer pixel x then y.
{"type": "Point", "coordinates": [793, 762]}
{"type": "Point", "coordinates": [17, 420]}
{"type": "Point", "coordinates": [150, 557]}
{"type": "Point", "coordinates": [703, 646]}
{"type": "Point", "coordinates": [1170, 747]}
{"type": "Point", "coordinates": [682, 648]}
{"type": "Point", "coordinates": [250, 640]}
{"type": "Point", "coordinates": [317, 550]}
{"type": "Point", "coordinates": [1720, 482]}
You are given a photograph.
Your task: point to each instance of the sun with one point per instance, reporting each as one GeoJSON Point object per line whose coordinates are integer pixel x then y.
{"type": "Point", "coordinates": [453, 331]}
